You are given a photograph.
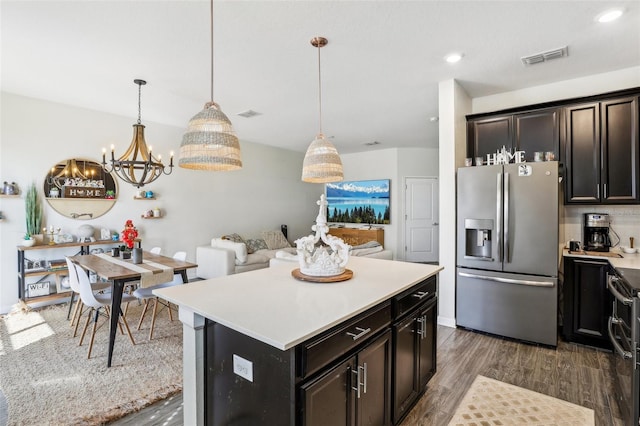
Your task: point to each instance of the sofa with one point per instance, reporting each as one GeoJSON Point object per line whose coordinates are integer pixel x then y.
{"type": "Point", "coordinates": [232, 254]}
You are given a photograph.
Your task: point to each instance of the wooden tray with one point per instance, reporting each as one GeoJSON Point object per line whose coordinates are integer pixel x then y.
{"type": "Point", "coordinates": [346, 275]}
{"type": "Point", "coordinates": [596, 253]}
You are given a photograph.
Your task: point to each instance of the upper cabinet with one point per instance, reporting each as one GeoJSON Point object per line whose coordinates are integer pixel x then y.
{"type": "Point", "coordinates": [602, 155]}
{"type": "Point", "coordinates": [531, 131]}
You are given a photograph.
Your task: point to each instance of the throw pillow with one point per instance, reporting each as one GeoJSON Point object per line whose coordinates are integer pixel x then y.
{"type": "Point", "coordinates": [275, 240]}
{"type": "Point", "coordinates": [233, 237]}
{"type": "Point", "coordinates": [255, 245]}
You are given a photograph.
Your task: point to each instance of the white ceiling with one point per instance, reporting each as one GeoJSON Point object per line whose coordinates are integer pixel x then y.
{"type": "Point", "coordinates": [380, 70]}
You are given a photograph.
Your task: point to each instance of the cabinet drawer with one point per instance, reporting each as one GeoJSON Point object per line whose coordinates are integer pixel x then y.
{"type": "Point", "coordinates": [320, 351]}
{"type": "Point", "coordinates": [409, 299]}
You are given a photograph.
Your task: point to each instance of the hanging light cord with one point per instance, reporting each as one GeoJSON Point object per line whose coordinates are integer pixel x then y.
{"type": "Point", "coordinates": [211, 10]}
{"type": "Point", "coordinates": [319, 90]}
{"type": "Point", "coordinates": [139, 96]}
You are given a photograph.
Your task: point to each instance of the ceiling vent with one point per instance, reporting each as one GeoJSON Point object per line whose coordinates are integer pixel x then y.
{"type": "Point", "coordinates": [545, 56]}
{"type": "Point", "coordinates": [248, 113]}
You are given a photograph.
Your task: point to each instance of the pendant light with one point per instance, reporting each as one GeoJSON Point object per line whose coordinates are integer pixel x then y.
{"type": "Point", "coordinates": [210, 142]}
{"type": "Point", "coordinates": [321, 163]}
{"type": "Point", "coordinates": [137, 165]}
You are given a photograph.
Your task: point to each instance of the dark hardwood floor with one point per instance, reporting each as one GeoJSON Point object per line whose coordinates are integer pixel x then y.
{"type": "Point", "coordinates": [574, 373]}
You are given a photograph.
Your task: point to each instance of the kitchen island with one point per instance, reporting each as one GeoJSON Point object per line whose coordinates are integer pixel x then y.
{"type": "Point", "coordinates": [260, 347]}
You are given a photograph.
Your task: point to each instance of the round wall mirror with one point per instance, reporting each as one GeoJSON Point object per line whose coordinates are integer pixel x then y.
{"type": "Point", "coordinates": [80, 189]}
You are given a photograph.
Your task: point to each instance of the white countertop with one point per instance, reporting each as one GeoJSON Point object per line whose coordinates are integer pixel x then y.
{"type": "Point", "coordinates": [628, 260]}
{"type": "Point", "coordinates": [273, 307]}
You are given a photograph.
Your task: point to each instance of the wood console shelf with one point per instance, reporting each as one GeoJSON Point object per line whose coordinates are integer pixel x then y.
{"type": "Point", "coordinates": [36, 275]}
{"type": "Point", "coordinates": [355, 236]}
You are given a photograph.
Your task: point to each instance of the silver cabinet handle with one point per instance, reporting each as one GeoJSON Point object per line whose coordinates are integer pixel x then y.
{"type": "Point", "coordinates": [422, 326]}
{"type": "Point", "coordinates": [420, 295]}
{"type": "Point", "coordinates": [361, 380]}
{"type": "Point", "coordinates": [362, 331]}
{"type": "Point", "coordinates": [435, 224]}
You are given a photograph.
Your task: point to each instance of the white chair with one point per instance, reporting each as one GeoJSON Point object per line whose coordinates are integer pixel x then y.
{"type": "Point", "coordinates": [156, 250]}
{"type": "Point", "coordinates": [96, 302]}
{"type": "Point", "coordinates": [146, 294]}
{"type": "Point", "coordinates": [75, 293]}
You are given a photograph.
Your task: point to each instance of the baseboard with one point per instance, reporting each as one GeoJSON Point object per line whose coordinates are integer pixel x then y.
{"type": "Point", "coordinates": [447, 322]}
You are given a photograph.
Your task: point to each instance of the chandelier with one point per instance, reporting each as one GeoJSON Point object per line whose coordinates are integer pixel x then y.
{"type": "Point", "coordinates": [322, 162]}
{"type": "Point", "coordinates": [210, 143]}
{"type": "Point", "coordinates": [137, 165]}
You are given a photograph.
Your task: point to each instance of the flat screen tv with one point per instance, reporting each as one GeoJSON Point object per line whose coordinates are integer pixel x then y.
{"type": "Point", "coordinates": [361, 201]}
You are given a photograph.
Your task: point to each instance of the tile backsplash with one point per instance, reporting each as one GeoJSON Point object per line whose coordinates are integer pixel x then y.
{"type": "Point", "coordinates": [625, 222]}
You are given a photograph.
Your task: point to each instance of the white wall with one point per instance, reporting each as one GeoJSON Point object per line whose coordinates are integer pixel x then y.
{"type": "Point", "coordinates": [394, 164]}
{"type": "Point", "coordinates": [36, 134]}
{"type": "Point", "coordinates": [454, 104]}
{"type": "Point", "coordinates": [567, 89]}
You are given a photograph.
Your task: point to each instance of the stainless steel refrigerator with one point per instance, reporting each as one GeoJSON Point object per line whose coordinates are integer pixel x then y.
{"type": "Point", "coordinates": [507, 250]}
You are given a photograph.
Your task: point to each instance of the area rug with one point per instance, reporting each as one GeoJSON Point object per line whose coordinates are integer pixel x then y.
{"type": "Point", "coordinates": [48, 380]}
{"type": "Point", "coordinates": [489, 402]}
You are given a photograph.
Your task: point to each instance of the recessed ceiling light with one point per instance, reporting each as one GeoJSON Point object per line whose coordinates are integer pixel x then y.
{"type": "Point", "coordinates": [609, 15]}
{"type": "Point", "coordinates": [452, 58]}
{"type": "Point", "coordinates": [248, 113]}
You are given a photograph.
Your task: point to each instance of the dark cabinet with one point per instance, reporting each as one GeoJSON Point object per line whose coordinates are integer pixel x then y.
{"type": "Point", "coordinates": [354, 392]}
{"type": "Point", "coordinates": [602, 155]}
{"type": "Point", "coordinates": [532, 131]}
{"type": "Point", "coordinates": [538, 131]}
{"type": "Point", "coordinates": [587, 302]}
{"type": "Point", "coordinates": [415, 357]}
{"type": "Point", "coordinates": [488, 135]}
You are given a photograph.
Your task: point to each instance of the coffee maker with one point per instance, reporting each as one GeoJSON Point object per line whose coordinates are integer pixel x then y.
{"type": "Point", "coordinates": [596, 232]}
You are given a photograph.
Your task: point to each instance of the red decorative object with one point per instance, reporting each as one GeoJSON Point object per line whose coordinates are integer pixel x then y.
{"type": "Point", "coordinates": [129, 234]}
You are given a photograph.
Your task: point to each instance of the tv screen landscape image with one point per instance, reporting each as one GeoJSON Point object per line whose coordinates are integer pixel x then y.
{"type": "Point", "coordinates": [362, 201]}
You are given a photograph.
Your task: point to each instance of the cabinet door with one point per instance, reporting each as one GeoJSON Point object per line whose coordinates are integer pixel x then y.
{"type": "Point", "coordinates": [328, 400]}
{"type": "Point", "coordinates": [538, 131]}
{"type": "Point", "coordinates": [488, 135]}
{"type": "Point", "coordinates": [405, 379]}
{"type": "Point", "coordinates": [588, 302]}
{"type": "Point", "coordinates": [583, 153]}
{"type": "Point", "coordinates": [619, 139]}
{"type": "Point", "coordinates": [374, 399]}
{"type": "Point", "coordinates": [427, 343]}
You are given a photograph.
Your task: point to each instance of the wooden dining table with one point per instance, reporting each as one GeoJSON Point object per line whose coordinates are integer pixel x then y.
{"type": "Point", "coordinates": [119, 275]}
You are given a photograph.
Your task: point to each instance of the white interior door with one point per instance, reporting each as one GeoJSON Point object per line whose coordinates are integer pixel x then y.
{"type": "Point", "coordinates": [421, 219]}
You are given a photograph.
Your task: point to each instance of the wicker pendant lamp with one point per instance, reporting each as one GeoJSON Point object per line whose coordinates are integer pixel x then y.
{"type": "Point", "coordinates": [322, 163]}
{"type": "Point", "coordinates": [210, 142]}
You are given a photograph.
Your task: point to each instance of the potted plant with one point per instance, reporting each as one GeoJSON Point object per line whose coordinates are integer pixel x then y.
{"type": "Point", "coordinates": [33, 210]}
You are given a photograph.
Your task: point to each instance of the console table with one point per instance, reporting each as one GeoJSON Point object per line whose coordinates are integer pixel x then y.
{"type": "Point", "coordinates": [355, 236]}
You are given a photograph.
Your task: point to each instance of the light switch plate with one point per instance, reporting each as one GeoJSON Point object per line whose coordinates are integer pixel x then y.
{"type": "Point", "coordinates": [243, 367]}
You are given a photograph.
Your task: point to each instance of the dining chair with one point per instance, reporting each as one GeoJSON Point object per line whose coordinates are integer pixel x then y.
{"type": "Point", "coordinates": [75, 294]}
{"type": "Point", "coordinates": [156, 250]}
{"type": "Point", "coordinates": [146, 294]}
{"type": "Point", "coordinates": [96, 302]}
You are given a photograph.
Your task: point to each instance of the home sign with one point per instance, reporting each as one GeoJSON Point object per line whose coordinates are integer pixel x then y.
{"type": "Point", "coordinates": [502, 156]}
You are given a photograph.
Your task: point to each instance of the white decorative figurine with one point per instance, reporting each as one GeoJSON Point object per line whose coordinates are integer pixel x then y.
{"type": "Point", "coordinates": [327, 259]}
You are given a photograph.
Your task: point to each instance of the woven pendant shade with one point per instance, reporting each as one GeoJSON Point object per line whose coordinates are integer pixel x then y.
{"type": "Point", "coordinates": [210, 142]}
{"type": "Point", "coordinates": [322, 163]}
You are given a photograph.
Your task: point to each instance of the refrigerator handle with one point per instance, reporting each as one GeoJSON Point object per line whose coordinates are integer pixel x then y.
{"type": "Point", "coordinates": [507, 254]}
{"type": "Point", "coordinates": [499, 215]}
